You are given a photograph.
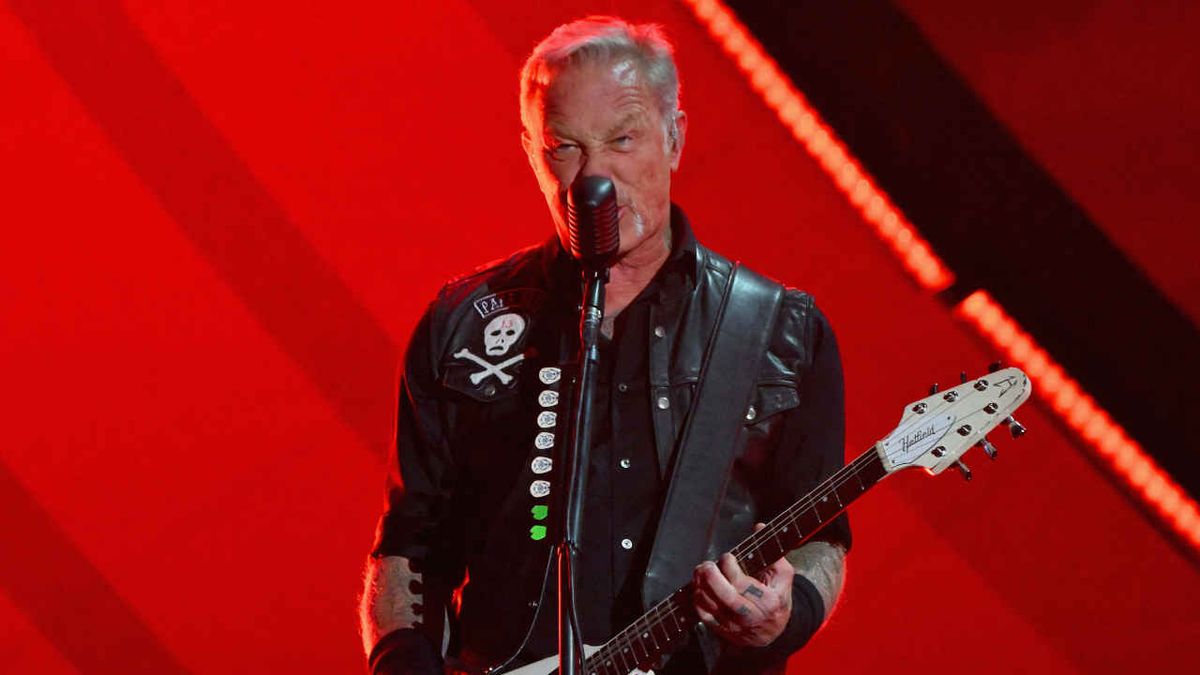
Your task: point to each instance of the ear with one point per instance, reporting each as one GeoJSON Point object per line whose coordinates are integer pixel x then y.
{"type": "Point", "coordinates": [678, 134]}
{"type": "Point", "coordinates": [530, 150]}
{"type": "Point", "coordinates": [527, 143]}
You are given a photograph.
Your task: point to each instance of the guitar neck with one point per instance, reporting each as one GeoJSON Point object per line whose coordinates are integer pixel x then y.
{"type": "Point", "coordinates": [806, 517]}
{"type": "Point", "coordinates": [668, 623]}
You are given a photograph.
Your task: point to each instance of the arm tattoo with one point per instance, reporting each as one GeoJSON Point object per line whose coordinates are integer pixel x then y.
{"type": "Point", "coordinates": [390, 598]}
{"type": "Point", "coordinates": [823, 564]}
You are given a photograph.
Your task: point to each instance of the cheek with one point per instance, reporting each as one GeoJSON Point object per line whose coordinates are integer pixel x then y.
{"type": "Point", "coordinates": [651, 179]}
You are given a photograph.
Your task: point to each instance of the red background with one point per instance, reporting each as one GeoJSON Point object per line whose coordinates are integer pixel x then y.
{"type": "Point", "coordinates": [221, 221]}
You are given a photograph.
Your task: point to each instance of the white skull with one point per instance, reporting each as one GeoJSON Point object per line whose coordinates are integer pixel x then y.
{"type": "Point", "coordinates": [501, 332]}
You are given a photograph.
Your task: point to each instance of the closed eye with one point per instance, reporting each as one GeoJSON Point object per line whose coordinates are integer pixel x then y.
{"type": "Point", "coordinates": [561, 151]}
{"type": "Point", "coordinates": [624, 141]}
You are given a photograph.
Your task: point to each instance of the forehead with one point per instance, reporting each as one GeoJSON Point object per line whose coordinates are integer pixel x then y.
{"type": "Point", "coordinates": [594, 95]}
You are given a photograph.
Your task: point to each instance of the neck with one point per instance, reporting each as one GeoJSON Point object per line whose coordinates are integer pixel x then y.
{"type": "Point", "coordinates": [633, 271]}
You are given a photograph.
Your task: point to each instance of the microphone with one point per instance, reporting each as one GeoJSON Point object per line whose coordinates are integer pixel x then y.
{"type": "Point", "coordinates": [592, 221]}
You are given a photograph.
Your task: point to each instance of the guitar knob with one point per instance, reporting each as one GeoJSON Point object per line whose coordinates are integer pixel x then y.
{"type": "Point", "coordinates": [964, 469]}
{"type": "Point", "coordinates": [1014, 427]}
{"type": "Point", "coordinates": [988, 448]}
{"type": "Point", "coordinates": [994, 366]}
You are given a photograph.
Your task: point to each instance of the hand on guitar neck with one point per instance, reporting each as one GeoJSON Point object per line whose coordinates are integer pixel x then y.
{"type": "Point", "coordinates": [744, 610]}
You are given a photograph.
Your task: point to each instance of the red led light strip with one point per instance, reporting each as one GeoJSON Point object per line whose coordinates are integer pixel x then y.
{"type": "Point", "coordinates": [822, 143]}
{"type": "Point", "coordinates": [1063, 395]}
{"type": "Point", "coordinates": [1123, 454]}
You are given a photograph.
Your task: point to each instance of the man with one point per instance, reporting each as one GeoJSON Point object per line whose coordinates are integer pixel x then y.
{"type": "Point", "coordinates": [480, 410]}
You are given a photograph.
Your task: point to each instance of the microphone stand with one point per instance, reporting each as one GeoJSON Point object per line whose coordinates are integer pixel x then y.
{"type": "Point", "coordinates": [575, 468]}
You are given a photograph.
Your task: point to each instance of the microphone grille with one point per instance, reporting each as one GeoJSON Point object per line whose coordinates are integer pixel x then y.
{"type": "Point", "coordinates": [592, 215]}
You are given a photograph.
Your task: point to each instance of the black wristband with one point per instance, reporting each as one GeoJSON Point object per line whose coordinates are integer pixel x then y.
{"type": "Point", "coordinates": [404, 652]}
{"type": "Point", "coordinates": [808, 613]}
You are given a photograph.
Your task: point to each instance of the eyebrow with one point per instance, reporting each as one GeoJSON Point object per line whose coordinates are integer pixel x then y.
{"type": "Point", "coordinates": [625, 122]}
{"type": "Point", "coordinates": [556, 132]}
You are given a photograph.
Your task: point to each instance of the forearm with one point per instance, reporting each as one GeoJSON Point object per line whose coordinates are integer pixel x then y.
{"type": "Point", "coordinates": [824, 565]}
{"type": "Point", "coordinates": [392, 592]}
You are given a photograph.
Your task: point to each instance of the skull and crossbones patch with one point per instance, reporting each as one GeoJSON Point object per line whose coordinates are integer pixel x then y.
{"type": "Point", "coordinates": [487, 354]}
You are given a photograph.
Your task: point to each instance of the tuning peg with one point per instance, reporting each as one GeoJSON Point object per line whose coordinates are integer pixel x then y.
{"type": "Point", "coordinates": [1014, 427]}
{"type": "Point", "coordinates": [988, 448]}
{"type": "Point", "coordinates": [933, 388]}
{"type": "Point", "coordinates": [964, 469]}
{"type": "Point", "coordinates": [994, 366]}
{"type": "Point", "coordinates": [962, 376]}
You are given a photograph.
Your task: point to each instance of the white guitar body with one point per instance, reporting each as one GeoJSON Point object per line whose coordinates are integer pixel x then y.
{"type": "Point", "coordinates": [550, 663]}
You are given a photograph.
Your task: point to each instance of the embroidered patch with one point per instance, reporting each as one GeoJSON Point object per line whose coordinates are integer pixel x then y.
{"type": "Point", "coordinates": [541, 464]}
{"type": "Point", "coordinates": [488, 369]}
{"type": "Point", "coordinates": [486, 354]}
{"type": "Point", "coordinates": [548, 398]}
{"type": "Point", "coordinates": [525, 299]}
{"type": "Point", "coordinates": [539, 488]}
{"type": "Point", "coordinates": [544, 441]}
{"type": "Point", "coordinates": [502, 332]}
{"type": "Point", "coordinates": [550, 375]}
{"type": "Point", "coordinates": [546, 419]}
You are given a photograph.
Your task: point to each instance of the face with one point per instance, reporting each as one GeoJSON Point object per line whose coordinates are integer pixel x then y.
{"type": "Point", "coordinates": [601, 119]}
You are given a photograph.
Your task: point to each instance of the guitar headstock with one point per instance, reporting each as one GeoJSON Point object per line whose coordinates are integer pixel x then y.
{"type": "Point", "coordinates": [936, 431]}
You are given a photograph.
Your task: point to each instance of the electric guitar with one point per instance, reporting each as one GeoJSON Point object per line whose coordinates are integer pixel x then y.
{"type": "Point", "coordinates": [934, 433]}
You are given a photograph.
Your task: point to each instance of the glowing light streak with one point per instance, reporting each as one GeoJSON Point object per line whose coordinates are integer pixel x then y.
{"type": "Point", "coordinates": [1063, 395]}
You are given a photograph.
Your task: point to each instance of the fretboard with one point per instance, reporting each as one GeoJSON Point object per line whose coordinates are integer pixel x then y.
{"type": "Point", "coordinates": [669, 622]}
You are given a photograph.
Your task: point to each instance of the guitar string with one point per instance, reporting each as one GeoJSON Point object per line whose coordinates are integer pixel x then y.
{"type": "Point", "coordinates": [654, 617]}
{"type": "Point", "coordinates": [818, 495]}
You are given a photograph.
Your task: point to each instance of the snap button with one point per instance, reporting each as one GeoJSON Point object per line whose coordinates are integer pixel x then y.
{"type": "Point", "coordinates": [660, 332]}
{"type": "Point", "coordinates": [751, 414]}
{"type": "Point", "coordinates": [622, 387]}
{"type": "Point", "coordinates": [626, 544]}
{"type": "Point", "coordinates": [625, 463]}
{"type": "Point", "coordinates": [663, 403]}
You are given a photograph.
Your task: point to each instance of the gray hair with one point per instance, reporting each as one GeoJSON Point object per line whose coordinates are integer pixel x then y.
{"type": "Point", "coordinates": [601, 39]}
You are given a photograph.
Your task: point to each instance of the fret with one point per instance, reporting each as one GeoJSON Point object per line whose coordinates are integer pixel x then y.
{"type": "Point", "coordinates": [663, 631]}
{"type": "Point", "coordinates": [809, 521]}
{"type": "Point", "coordinates": [798, 530]}
{"type": "Point", "coordinates": [628, 662]}
{"type": "Point", "coordinates": [638, 650]}
{"type": "Point", "coordinates": [681, 622]}
{"type": "Point", "coordinates": [849, 491]}
{"type": "Point", "coordinates": [648, 634]}
{"type": "Point", "coordinates": [776, 550]}
{"type": "Point", "coordinates": [826, 509]}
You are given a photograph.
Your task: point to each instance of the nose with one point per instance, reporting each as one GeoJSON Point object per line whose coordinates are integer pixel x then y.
{"type": "Point", "coordinates": [594, 164]}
